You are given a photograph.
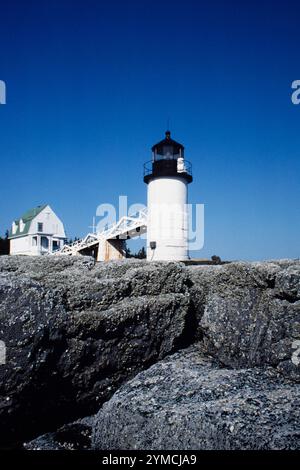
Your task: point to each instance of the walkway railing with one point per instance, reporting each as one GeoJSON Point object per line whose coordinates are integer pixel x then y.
{"type": "Point", "coordinates": [127, 226]}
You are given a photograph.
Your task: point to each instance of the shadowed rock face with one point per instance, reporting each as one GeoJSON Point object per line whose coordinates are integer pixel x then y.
{"type": "Point", "coordinates": [188, 402]}
{"type": "Point", "coordinates": [76, 331]}
{"type": "Point", "coordinates": [72, 436]}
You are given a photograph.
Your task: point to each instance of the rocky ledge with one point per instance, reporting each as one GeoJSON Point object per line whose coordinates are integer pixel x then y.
{"type": "Point", "coordinates": [136, 355]}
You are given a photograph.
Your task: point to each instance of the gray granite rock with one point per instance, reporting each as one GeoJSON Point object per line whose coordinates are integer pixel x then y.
{"type": "Point", "coordinates": [75, 331]}
{"type": "Point", "coordinates": [71, 436]}
{"type": "Point", "coordinates": [249, 313]}
{"type": "Point", "coordinates": [189, 402]}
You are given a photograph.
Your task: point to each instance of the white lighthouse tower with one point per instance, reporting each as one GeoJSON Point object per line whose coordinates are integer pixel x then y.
{"type": "Point", "coordinates": [167, 177]}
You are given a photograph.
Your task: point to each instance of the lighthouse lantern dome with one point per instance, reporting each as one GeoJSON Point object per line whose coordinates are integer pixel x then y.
{"type": "Point", "coordinates": [168, 161]}
{"type": "Point", "coordinates": [167, 149]}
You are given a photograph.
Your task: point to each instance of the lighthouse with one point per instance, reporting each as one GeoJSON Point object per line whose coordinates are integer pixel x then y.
{"type": "Point", "coordinates": [167, 176]}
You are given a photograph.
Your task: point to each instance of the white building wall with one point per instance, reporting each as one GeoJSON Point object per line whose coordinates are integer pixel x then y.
{"type": "Point", "coordinates": [167, 219]}
{"type": "Point", "coordinates": [53, 229]}
{"type": "Point", "coordinates": [51, 223]}
{"type": "Point", "coordinates": [20, 246]}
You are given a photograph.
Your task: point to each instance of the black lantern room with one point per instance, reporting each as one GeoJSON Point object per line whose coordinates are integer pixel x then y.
{"type": "Point", "coordinates": [167, 148]}
{"type": "Point", "coordinates": [167, 160]}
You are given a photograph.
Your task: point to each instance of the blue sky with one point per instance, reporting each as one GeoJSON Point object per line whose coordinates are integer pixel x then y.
{"type": "Point", "coordinates": [91, 85]}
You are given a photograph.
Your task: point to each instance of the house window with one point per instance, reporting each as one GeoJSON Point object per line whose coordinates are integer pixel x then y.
{"type": "Point", "coordinates": [55, 245]}
{"type": "Point", "coordinates": [34, 241]}
{"type": "Point", "coordinates": [40, 227]}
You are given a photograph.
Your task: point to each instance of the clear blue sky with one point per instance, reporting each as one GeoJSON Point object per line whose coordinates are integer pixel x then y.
{"type": "Point", "coordinates": [92, 83]}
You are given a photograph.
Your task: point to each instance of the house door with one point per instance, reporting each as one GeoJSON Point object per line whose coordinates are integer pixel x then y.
{"type": "Point", "coordinates": [44, 243]}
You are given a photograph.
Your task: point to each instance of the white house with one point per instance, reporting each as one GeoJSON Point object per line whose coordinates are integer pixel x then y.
{"type": "Point", "coordinates": [39, 231]}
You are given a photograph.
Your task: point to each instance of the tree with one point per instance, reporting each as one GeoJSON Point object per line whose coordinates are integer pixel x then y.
{"type": "Point", "coordinates": [69, 241]}
{"type": "Point", "coordinates": [128, 253]}
{"type": "Point", "coordinates": [4, 244]}
{"type": "Point", "coordinates": [141, 254]}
